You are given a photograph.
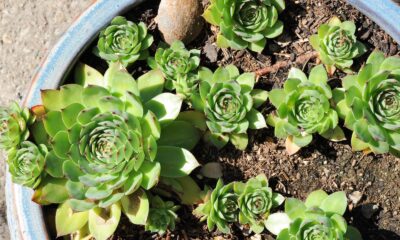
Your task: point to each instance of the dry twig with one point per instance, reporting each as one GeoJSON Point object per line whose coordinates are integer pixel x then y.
{"type": "Point", "coordinates": [282, 64]}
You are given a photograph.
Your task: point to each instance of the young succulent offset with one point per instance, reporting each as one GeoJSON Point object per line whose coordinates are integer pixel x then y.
{"type": "Point", "coordinates": [162, 216]}
{"type": "Point", "coordinates": [14, 123]}
{"type": "Point", "coordinates": [248, 203]}
{"type": "Point", "coordinates": [26, 163]}
{"type": "Point", "coordinates": [304, 108]}
{"type": "Point", "coordinates": [245, 23]}
{"type": "Point", "coordinates": [337, 44]}
{"type": "Point", "coordinates": [370, 105]}
{"type": "Point", "coordinates": [228, 101]}
{"type": "Point", "coordinates": [319, 217]}
{"type": "Point", "coordinates": [256, 200]}
{"type": "Point", "coordinates": [220, 207]}
{"type": "Point", "coordinates": [179, 67]}
{"type": "Point", "coordinates": [124, 41]}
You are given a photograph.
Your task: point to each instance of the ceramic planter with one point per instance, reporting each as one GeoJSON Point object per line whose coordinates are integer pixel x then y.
{"type": "Point", "coordinates": [25, 218]}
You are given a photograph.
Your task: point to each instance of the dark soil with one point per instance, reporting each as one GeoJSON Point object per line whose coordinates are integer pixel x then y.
{"type": "Point", "coordinates": [323, 164]}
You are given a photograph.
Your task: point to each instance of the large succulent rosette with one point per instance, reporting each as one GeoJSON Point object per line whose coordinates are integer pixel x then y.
{"type": "Point", "coordinates": [337, 44]}
{"type": "Point", "coordinates": [245, 23]}
{"type": "Point", "coordinates": [304, 108]}
{"type": "Point", "coordinates": [370, 105]}
{"type": "Point", "coordinates": [220, 208]}
{"type": "Point", "coordinates": [320, 217]}
{"type": "Point", "coordinates": [26, 163]}
{"type": "Point", "coordinates": [124, 41]}
{"type": "Point", "coordinates": [228, 101]}
{"type": "Point", "coordinates": [256, 200]}
{"type": "Point", "coordinates": [14, 123]}
{"type": "Point", "coordinates": [179, 67]}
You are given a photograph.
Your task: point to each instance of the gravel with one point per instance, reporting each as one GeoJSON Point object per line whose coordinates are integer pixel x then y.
{"type": "Point", "coordinates": [28, 31]}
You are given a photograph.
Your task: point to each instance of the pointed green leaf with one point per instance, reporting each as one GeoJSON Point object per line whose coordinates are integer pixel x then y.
{"type": "Point", "coordinates": [51, 100]}
{"type": "Point", "coordinates": [318, 75]}
{"type": "Point", "coordinates": [165, 106]}
{"type": "Point", "coordinates": [335, 203]}
{"type": "Point", "coordinates": [150, 84]}
{"type": "Point", "coordinates": [54, 165]}
{"type": "Point", "coordinates": [197, 119]}
{"type": "Point", "coordinates": [239, 140]}
{"type": "Point", "coordinates": [86, 75]}
{"type": "Point", "coordinates": [136, 207]}
{"type": "Point", "coordinates": [315, 198]}
{"type": "Point", "coordinates": [53, 123]}
{"type": "Point", "coordinates": [276, 222]}
{"type": "Point", "coordinates": [150, 125]}
{"type": "Point", "coordinates": [179, 134]}
{"type": "Point", "coordinates": [246, 81]}
{"type": "Point", "coordinates": [151, 173]}
{"type": "Point", "coordinates": [175, 162]}
{"type": "Point", "coordinates": [68, 222]}
{"type": "Point", "coordinates": [294, 208]}
{"type": "Point", "coordinates": [259, 97]}
{"type": "Point", "coordinates": [104, 222]}
{"type": "Point", "coordinates": [256, 119]}
{"type": "Point", "coordinates": [119, 81]}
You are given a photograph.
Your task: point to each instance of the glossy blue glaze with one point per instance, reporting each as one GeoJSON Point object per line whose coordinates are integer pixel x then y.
{"type": "Point", "coordinates": [386, 13]}
{"type": "Point", "coordinates": [25, 218]}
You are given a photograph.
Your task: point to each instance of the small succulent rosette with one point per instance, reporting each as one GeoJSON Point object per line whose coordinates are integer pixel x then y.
{"type": "Point", "coordinates": [303, 107]}
{"type": "Point", "coordinates": [220, 207]}
{"type": "Point", "coordinates": [245, 23]}
{"type": "Point", "coordinates": [337, 45]}
{"type": "Point", "coordinates": [319, 217]}
{"type": "Point", "coordinates": [162, 216]}
{"type": "Point", "coordinates": [179, 66]}
{"type": "Point", "coordinates": [14, 123]}
{"type": "Point", "coordinates": [124, 41]}
{"type": "Point", "coordinates": [256, 200]}
{"type": "Point", "coordinates": [369, 102]}
{"type": "Point", "coordinates": [229, 101]}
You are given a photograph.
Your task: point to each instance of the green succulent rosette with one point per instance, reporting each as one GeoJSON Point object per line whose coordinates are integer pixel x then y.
{"type": "Point", "coordinates": [319, 217]}
{"type": "Point", "coordinates": [304, 108]}
{"type": "Point", "coordinates": [220, 208]}
{"type": "Point", "coordinates": [256, 200]}
{"type": "Point", "coordinates": [337, 44]}
{"type": "Point", "coordinates": [162, 216]}
{"type": "Point", "coordinates": [26, 163]}
{"type": "Point", "coordinates": [124, 41]}
{"type": "Point", "coordinates": [369, 102]}
{"type": "Point", "coordinates": [228, 101]}
{"type": "Point", "coordinates": [109, 143]}
{"type": "Point", "coordinates": [14, 123]}
{"type": "Point", "coordinates": [245, 23]}
{"type": "Point", "coordinates": [179, 67]}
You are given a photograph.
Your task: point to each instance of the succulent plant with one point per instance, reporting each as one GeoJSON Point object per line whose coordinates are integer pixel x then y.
{"type": "Point", "coordinates": [124, 41]}
{"type": "Point", "coordinates": [369, 102]}
{"type": "Point", "coordinates": [26, 163]}
{"type": "Point", "coordinates": [162, 216]}
{"type": "Point", "coordinates": [228, 101]}
{"type": "Point", "coordinates": [304, 108]}
{"type": "Point", "coordinates": [179, 67]}
{"type": "Point", "coordinates": [108, 146]}
{"type": "Point", "coordinates": [245, 23]}
{"type": "Point", "coordinates": [220, 207]}
{"type": "Point", "coordinates": [320, 217]}
{"type": "Point", "coordinates": [337, 44]}
{"type": "Point", "coordinates": [256, 200]}
{"type": "Point", "coordinates": [14, 123]}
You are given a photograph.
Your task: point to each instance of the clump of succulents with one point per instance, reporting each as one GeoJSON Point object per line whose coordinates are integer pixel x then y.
{"type": "Point", "coordinates": [303, 107]}
{"type": "Point", "coordinates": [228, 101]}
{"type": "Point", "coordinates": [247, 203]}
{"type": "Point", "coordinates": [124, 41]}
{"type": "Point", "coordinates": [369, 102]}
{"type": "Point", "coordinates": [319, 217]}
{"type": "Point", "coordinates": [179, 67]}
{"type": "Point", "coordinates": [14, 123]}
{"type": "Point", "coordinates": [245, 23]}
{"type": "Point", "coordinates": [337, 44]}
{"type": "Point", "coordinates": [162, 216]}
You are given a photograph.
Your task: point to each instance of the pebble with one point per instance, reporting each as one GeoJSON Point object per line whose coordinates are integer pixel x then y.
{"type": "Point", "coordinates": [355, 197]}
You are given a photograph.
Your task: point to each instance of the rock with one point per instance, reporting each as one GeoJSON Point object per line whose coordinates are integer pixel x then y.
{"type": "Point", "coordinates": [368, 210]}
{"type": "Point", "coordinates": [212, 170]}
{"type": "Point", "coordinates": [179, 20]}
{"type": "Point", "coordinates": [211, 52]}
{"type": "Point", "coordinates": [355, 197]}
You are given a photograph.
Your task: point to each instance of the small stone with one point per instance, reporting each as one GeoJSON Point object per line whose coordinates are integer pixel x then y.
{"type": "Point", "coordinates": [368, 210]}
{"type": "Point", "coordinates": [211, 52]}
{"type": "Point", "coordinates": [355, 197]}
{"type": "Point", "coordinates": [212, 170]}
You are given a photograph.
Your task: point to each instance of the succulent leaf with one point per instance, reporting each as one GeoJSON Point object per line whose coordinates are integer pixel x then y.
{"type": "Point", "coordinates": [162, 216]}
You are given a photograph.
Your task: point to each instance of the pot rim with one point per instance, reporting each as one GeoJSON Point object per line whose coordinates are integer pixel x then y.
{"type": "Point", "coordinates": [25, 218]}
